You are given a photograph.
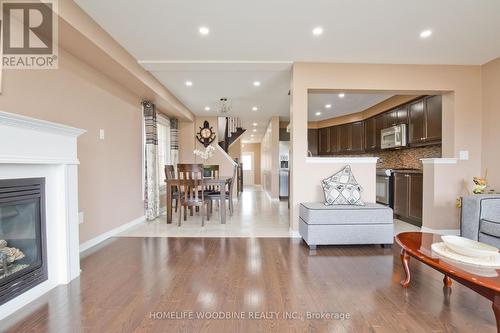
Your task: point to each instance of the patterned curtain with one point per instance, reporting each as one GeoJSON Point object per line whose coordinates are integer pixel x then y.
{"type": "Point", "coordinates": [174, 141]}
{"type": "Point", "coordinates": [152, 188]}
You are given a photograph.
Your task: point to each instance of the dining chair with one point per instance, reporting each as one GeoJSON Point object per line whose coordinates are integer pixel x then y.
{"type": "Point", "coordinates": [170, 174]}
{"type": "Point", "coordinates": [216, 195]}
{"type": "Point", "coordinates": [212, 171]}
{"type": "Point", "coordinates": [191, 190]}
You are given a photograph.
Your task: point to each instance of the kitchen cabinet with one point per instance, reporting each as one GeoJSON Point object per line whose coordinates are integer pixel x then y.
{"type": "Point", "coordinates": [323, 141]}
{"type": "Point", "coordinates": [312, 141]}
{"type": "Point", "coordinates": [357, 136]}
{"type": "Point", "coordinates": [425, 117]}
{"type": "Point", "coordinates": [396, 117]}
{"type": "Point", "coordinates": [434, 121]}
{"type": "Point", "coordinates": [334, 139]}
{"type": "Point", "coordinates": [408, 197]}
{"type": "Point", "coordinates": [351, 137]}
{"type": "Point", "coordinates": [345, 138]}
{"type": "Point", "coordinates": [380, 124]}
{"type": "Point", "coordinates": [370, 134]}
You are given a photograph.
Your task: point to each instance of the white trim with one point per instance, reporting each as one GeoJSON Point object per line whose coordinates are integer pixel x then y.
{"type": "Point", "coordinates": [102, 237]}
{"type": "Point", "coordinates": [438, 160]}
{"type": "Point", "coordinates": [37, 160]}
{"type": "Point", "coordinates": [12, 119]}
{"type": "Point", "coordinates": [454, 232]}
{"type": "Point", "coordinates": [351, 160]}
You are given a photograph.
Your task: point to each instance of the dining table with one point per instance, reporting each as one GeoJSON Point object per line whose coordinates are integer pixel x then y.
{"type": "Point", "coordinates": [214, 182]}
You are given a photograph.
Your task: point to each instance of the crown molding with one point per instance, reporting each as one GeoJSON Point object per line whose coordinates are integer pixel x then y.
{"type": "Point", "coordinates": [16, 120]}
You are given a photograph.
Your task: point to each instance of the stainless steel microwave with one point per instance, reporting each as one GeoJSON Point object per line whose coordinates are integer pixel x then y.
{"type": "Point", "coordinates": [393, 137]}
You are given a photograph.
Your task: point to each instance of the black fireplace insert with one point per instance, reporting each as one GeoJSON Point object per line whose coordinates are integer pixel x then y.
{"type": "Point", "coordinates": [23, 249]}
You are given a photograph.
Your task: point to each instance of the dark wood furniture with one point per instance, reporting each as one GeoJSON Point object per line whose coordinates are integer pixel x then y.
{"type": "Point", "coordinates": [219, 181]}
{"type": "Point", "coordinates": [423, 116]}
{"type": "Point", "coordinates": [191, 189]}
{"type": "Point", "coordinates": [418, 245]}
{"type": "Point", "coordinates": [408, 196]}
{"type": "Point", "coordinates": [312, 141]}
{"type": "Point", "coordinates": [211, 171]}
{"type": "Point", "coordinates": [215, 195]}
{"type": "Point", "coordinates": [174, 194]}
{"type": "Point", "coordinates": [425, 121]}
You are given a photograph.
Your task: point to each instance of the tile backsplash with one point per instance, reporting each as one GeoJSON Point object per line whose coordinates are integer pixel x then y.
{"type": "Point", "coordinates": [406, 158]}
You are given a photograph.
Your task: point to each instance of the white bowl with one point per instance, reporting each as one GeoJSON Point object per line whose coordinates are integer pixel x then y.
{"type": "Point", "coordinates": [469, 247]}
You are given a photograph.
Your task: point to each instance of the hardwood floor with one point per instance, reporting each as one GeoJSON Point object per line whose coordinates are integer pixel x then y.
{"type": "Point", "coordinates": [127, 281]}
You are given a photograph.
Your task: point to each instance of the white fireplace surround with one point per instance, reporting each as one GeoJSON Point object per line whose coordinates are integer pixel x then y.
{"type": "Point", "coordinates": [32, 148]}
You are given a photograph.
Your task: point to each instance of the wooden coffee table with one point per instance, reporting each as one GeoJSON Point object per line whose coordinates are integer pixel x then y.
{"type": "Point", "coordinates": [418, 246]}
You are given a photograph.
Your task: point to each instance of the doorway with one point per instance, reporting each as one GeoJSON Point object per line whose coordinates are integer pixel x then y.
{"type": "Point", "coordinates": [248, 161]}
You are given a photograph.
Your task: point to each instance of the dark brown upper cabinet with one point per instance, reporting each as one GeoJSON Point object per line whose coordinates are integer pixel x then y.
{"type": "Point", "coordinates": [334, 139]}
{"type": "Point", "coordinates": [358, 136]}
{"type": "Point", "coordinates": [380, 124]}
{"type": "Point", "coordinates": [425, 116]}
{"type": "Point", "coordinates": [312, 141]}
{"type": "Point", "coordinates": [417, 122]}
{"type": "Point", "coordinates": [434, 121]}
{"type": "Point", "coordinates": [370, 134]}
{"type": "Point", "coordinates": [352, 137]}
{"type": "Point", "coordinates": [323, 141]}
{"type": "Point", "coordinates": [397, 116]}
{"type": "Point", "coordinates": [345, 138]}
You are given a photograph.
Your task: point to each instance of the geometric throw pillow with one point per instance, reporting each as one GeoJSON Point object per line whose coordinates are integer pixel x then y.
{"type": "Point", "coordinates": [342, 189]}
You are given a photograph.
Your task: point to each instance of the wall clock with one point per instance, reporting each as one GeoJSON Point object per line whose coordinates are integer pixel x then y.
{"type": "Point", "coordinates": [206, 135]}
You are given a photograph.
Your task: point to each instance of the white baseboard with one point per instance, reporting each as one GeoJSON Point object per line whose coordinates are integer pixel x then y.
{"type": "Point", "coordinates": [455, 232]}
{"type": "Point", "coordinates": [102, 237]}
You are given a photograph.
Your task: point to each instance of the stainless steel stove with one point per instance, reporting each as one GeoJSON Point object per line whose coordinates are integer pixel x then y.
{"type": "Point", "coordinates": [384, 189]}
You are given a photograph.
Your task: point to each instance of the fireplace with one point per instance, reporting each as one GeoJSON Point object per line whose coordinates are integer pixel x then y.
{"type": "Point", "coordinates": [23, 251]}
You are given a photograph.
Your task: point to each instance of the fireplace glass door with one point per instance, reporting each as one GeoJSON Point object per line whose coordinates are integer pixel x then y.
{"type": "Point", "coordinates": [22, 238]}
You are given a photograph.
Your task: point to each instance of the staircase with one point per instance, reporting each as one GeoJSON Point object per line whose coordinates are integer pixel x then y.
{"type": "Point", "coordinates": [232, 131]}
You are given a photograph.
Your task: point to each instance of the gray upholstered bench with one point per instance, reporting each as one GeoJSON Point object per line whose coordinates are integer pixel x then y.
{"type": "Point", "coordinates": [345, 224]}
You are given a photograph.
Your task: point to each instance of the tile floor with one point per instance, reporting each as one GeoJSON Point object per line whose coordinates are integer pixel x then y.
{"type": "Point", "coordinates": [256, 215]}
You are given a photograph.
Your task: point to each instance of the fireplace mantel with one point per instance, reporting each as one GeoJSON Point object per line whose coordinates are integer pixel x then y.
{"type": "Point", "coordinates": [36, 148]}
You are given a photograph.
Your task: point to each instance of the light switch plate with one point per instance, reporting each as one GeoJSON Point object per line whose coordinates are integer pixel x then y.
{"type": "Point", "coordinates": [80, 217]}
{"type": "Point", "coordinates": [463, 155]}
{"type": "Point", "coordinates": [101, 134]}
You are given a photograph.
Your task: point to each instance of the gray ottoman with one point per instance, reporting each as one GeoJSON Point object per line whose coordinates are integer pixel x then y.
{"type": "Point", "coordinates": [345, 224]}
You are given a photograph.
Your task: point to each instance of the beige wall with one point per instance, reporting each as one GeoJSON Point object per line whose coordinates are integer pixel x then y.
{"type": "Point", "coordinates": [235, 149]}
{"type": "Point", "coordinates": [255, 149]}
{"type": "Point", "coordinates": [270, 158]}
{"type": "Point", "coordinates": [461, 88]}
{"type": "Point", "coordinates": [110, 174]}
{"type": "Point", "coordinates": [491, 122]}
{"type": "Point", "coordinates": [188, 143]}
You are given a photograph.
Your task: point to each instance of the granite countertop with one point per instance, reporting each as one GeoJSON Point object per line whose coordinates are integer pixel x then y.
{"type": "Point", "coordinates": [407, 171]}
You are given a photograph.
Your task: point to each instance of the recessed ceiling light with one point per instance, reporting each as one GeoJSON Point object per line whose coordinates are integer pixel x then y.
{"type": "Point", "coordinates": [256, 83]}
{"type": "Point", "coordinates": [328, 106]}
{"type": "Point", "coordinates": [318, 113]}
{"type": "Point", "coordinates": [251, 136]}
{"type": "Point", "coordinates": [425, 33]}
{"type": "Point", "coordinates": [204, 31]}
{"type": "Point", "coordinates": [254, 124]}
{"type": "Point", "coordinates": [254, 130]}
{"type": "Point", "coordinates": [207, 108]}
{"type": "Point", "coordinates": [255, 108]}
{"type": "Point", "coordinates": [341, 95]}
{"type": "Point", "coordinates": [317, 31]}
{"type": "Point", "coordinates": [189, 83]}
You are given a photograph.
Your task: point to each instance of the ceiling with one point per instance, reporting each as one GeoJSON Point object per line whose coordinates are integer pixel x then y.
{"type": "Point", "coordinates": [163, 35]}
{"type": "Point", "coordinates": [350, 103]}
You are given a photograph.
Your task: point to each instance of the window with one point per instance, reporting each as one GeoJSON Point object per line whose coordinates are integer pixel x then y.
{"type": "Point", "coordinates": [163, 131]}
{"type": "Point", "coordinates": [247, 162]}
